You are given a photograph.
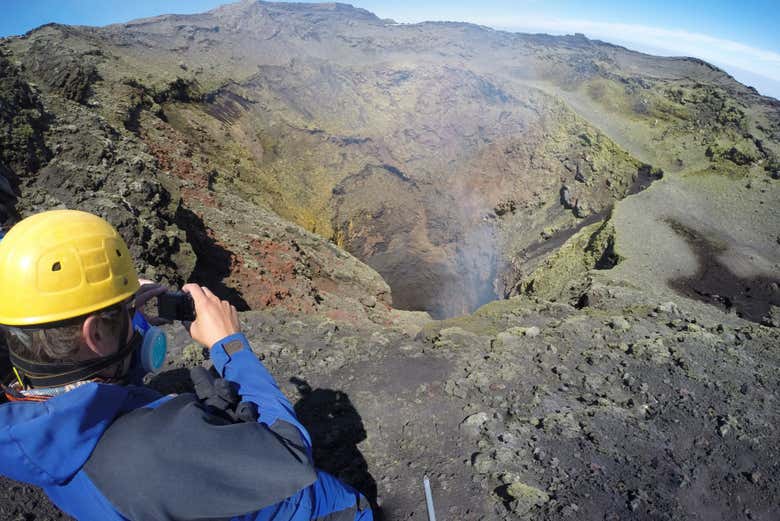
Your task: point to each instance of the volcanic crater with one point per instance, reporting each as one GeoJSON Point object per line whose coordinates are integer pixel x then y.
{"type": "Point", "coordinates": [540, 269]}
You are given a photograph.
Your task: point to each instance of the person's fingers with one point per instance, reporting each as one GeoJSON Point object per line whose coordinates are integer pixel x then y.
{"type": "Point", "coordinates": [195, 291]}
{"type": "Point", "coordinates": [143, 282]}
{"type": "Point", "coordinates": [216, 318]}
{"type": "Point", "coordinates": [209, 294]}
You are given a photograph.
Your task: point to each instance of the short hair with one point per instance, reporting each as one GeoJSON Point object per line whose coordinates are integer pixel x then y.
{"type": "Point", "coordinates": [61, 342]}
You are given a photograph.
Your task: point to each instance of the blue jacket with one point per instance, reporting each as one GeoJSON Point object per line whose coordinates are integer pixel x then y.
{"type": "Point", "coordinates": [81, 446]}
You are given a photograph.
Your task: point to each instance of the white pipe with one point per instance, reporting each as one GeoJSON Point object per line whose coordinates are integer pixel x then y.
{"type": "Point", "coordinates": [429, 499]}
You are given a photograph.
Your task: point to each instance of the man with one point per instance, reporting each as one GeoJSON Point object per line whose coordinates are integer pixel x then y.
{"type": "Point", "coordinates": [104, 450]}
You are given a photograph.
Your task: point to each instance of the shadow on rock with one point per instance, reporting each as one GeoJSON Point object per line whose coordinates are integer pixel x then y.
{"type": "Point", "coordinates": [23, 502]}
{"type": "Point", "coordinates": [8, 198]}
{"type": "Point", "coordinates": [214, 261]}
{"type": "Point", "coordinates": [336, 428]}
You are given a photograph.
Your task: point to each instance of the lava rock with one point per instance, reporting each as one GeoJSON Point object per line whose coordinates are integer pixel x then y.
{"type": "Point", "coordinates": [368, 301]}
{"type": "Point", "coordinates": [193, 354]}
{"type": "Point", "coordinates": [566, 198]}
{"type": "Point", "coordinates": [525, 497]}
{"type": "Point", "coordinates": [581, 209]}
{"type": "Point", "coordinates": [475, 421]}
{"type": "Point", "coordinates": [772, 318]}
{"type": "Point", "coordinates": [726, 425]}
{"type": "Point", "coordinates": [670, 308]}
{"type": "Point", "coordinates": [619, 323]}
{"type": "Point", "coordinates": [483, 463]}
{"type": "Point", "coordinates": [532, 332]}
{"type": "Point", "coordinates": [579, 176]}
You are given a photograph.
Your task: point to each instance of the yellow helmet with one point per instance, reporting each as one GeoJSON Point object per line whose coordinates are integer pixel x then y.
{"type": "Point", "coordinates": [62, 264]}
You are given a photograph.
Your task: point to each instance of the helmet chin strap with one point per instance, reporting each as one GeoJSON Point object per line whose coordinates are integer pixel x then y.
{"type": "Point", "coordinates": [121, 343]}
{"type": "Point", "coordinates": [52, 374]}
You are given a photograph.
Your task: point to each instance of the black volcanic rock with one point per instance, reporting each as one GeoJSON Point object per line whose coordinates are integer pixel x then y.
{"type": "Point", "coordinates": [23, 121]}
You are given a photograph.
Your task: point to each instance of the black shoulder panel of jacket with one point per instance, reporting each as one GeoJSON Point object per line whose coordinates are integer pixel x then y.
{"type": "Point", "coordinates": [179, 462]}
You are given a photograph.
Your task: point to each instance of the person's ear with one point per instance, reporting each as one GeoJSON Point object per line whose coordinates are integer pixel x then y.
{"type": "Point", "coordinates": [95, 339]}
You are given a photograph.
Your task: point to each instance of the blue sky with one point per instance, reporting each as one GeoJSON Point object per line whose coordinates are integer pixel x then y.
{"type": "Point", "coordinates": [742, 37]}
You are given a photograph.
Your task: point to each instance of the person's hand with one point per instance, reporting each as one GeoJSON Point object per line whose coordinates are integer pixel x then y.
{"type": "Point", "coordinates": [214, 318]}
{"type": "Point", "coordinates": [145, 293]}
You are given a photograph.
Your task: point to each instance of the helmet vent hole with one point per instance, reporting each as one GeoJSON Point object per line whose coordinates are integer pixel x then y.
{"type": "Point", "coordinates": [118, 253]}
{"type": "Point", "coordinates": [56, 266]}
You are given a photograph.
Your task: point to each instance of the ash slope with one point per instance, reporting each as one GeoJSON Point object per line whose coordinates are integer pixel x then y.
{"type": "Point", "coordinates": [438, 154]}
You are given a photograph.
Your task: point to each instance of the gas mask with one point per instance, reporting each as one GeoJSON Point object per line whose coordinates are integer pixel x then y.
{"type": "Point", "coordinates": [153, 345]}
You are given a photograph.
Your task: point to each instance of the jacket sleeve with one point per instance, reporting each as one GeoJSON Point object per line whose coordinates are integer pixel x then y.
{"type": "Point", "coordinates": [234, 360]}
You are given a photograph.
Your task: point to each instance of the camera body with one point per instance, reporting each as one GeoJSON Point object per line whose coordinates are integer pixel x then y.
{"type": "Point", "coordinates": [176, 305]}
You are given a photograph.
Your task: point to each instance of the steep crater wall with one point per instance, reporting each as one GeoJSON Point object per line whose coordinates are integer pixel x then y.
{"type": "Point", "coordinates": [448, 211]}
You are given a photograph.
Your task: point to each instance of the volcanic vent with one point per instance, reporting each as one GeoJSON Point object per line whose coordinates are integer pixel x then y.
{"type": "Point", "coordinates": [433, 258]}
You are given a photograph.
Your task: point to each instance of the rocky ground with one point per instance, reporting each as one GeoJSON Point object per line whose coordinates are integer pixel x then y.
{"type": "Point", "coordinates": [624, 207]}
{"type": "Point", "coordinates": [532, 409]}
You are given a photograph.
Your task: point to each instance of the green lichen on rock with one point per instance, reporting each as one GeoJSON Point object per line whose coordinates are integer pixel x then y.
{"type": "Point", "coordinates": [525, 497]}
{"type": "Point", "coordinates": [593, 247]}
{"type": "Point", "coordinates": [193, 354]}
{"type": "Point", "coordinates": [741, 153]}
